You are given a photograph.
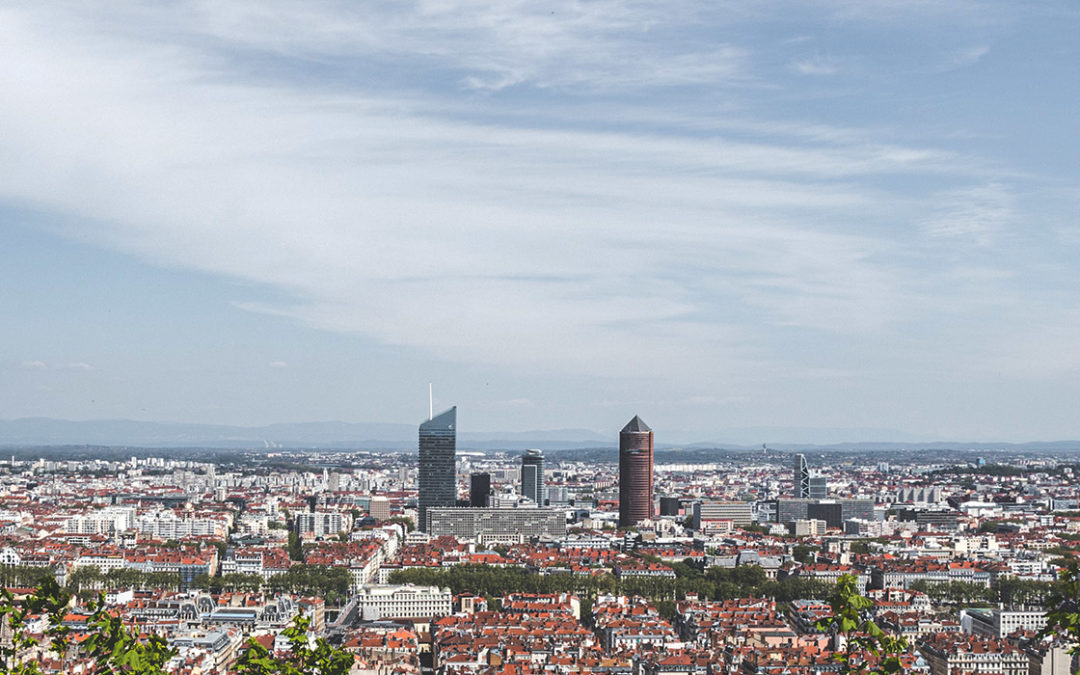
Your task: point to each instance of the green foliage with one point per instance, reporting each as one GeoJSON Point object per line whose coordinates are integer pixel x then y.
{"type": "Point", "coordinates": [955, 592]}
{"type": "Point", "coordinates": [296, 550]}
{"type": "Point", "coordinates": [24, 576]}
{"type": "Point", "coordinates": [113, 648]}
{"type": "Point", "coordinates": [407, 523]}
{"type": "Point", "coordinates": [1063, 615]}
{"type": "Point", "coordinates": [804, 553]}
{"type": "Point", "coordinates": [329, 583]}
{"type": "Point", "coordinates": [86, 580]}
{"type": "Point", "coordinates": [1013, 592]}
{"type": "Point", "coordinates": [867, 648]}
{"type": "Point", "coordinates": [307, 656]}
{"type": "Point", "coordinates": [986, 470]}
{"type": "Point", "coordinates": [716, 583]}
{"type": "Point", "coordinates": [496, 581]}
{"type": "Point", "coordinates": [228, 582]}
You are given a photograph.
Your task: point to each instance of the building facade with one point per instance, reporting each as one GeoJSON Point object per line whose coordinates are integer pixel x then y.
{"type": "Point", "coordinates": [801, 478]}
{"type": "Point", "coordinates": [399, 602]}
{"type": "Point", "coordinates": [738, 513]}
{"type": "Point", "coordinates": [635, 473]}
{"type": "Point", "coordinates": [437, 464]}
{"type": "Point", "coordinates": [510, 524]}
{"type": "Point", "coordinates": [532, 476]}
{"type": "Point", "coordinates": [480, 490]}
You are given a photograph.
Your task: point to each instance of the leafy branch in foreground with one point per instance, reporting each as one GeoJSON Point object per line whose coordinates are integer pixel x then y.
{"type": "Point", "coordinates": [307, 656]}
{"type": "Point", "coordinates": [112, 648]}
{"type": "Point", "coordinates": [1063, 617]}
{"type": "Point", "coordinates": [867, 648]}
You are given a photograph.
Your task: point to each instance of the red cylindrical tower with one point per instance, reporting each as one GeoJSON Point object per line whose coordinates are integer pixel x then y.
{"type": "Point", "coordinates": [635, 473]}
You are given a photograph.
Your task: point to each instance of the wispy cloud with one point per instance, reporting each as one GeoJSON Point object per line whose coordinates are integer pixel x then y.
{"type": "Point", "coordinates": [815, 66]}
{"type": "Point", "coordinates": [977, 214]}
{"type": "Point", "coordinates": [557, 188]}
{"type": "Point", "coordinates": [279, 197]}
{"type": "Point", "coordinates": [970, 56]}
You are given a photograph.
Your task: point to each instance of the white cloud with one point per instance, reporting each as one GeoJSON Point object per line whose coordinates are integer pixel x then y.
{"type": "Point", "coordinates": [79, 365]}
{"type": "Point", "coordinates": [815, 66]}
{"type": "Point", "coordinates": [34, 365]}
{"type": "Point", "coordinates": [970, 56]}
{"type": "Point", "coordinates": [255, 141]}
{"type": "Point", "coordinates": [978, 214]}
{"type": "Point", "coordinates": [278, 364]}
{"type": "Point", "coordinates": [468, 240]}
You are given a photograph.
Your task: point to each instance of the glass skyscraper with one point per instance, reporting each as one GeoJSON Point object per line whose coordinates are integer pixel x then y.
{"type": "Point", "coordinates": [437, 464]}
{"type": "Point", "coordinates": [801, 477]}
{"type": "Point", "coordinates": [532, 476]}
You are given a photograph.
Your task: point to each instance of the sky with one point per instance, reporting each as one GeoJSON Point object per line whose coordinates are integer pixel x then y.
{"type": "Point", "coordinates": [856, 214]}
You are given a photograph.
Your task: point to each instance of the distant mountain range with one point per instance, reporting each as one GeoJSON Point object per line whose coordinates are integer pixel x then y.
{"type": "Point", "coordinates": [43, 431]}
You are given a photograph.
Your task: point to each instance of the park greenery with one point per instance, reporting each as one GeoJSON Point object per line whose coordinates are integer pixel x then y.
{"type": "Point", "coordinates": [714, 584]}
{"type": "Point", "coordinates": [87, 579]}
{"type": "Point", "coordinates": [1007, 590]}
{"type": "Point", "coordinates": [329, 583]}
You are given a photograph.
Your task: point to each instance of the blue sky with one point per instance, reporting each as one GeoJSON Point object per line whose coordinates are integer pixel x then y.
{"type": "Point", "coordinates": [850, 213]}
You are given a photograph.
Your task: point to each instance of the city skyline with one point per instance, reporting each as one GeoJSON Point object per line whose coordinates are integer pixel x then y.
{"type": "Point", "coordinates": [800, 215]}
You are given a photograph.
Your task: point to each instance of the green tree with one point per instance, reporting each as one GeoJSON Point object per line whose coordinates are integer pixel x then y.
{"type": "Point", "coordinates": [1063, 615]}
{"type": "Point", "coordinates": [867, 648]}
{"type": "Point", "coordinates": [407, 523]}
{"type": "Point", "coordinates": [804, 553]}
{"type": "Point", "coordinates": [296, 551]}
{"type": "Point", "coordinates": [113, 648]}
{"type": "Point", "coordinates": [307, 656]}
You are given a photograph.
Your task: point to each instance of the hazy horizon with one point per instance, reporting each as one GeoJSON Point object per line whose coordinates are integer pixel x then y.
{"type": "Point", "coordinates": [41, 431]}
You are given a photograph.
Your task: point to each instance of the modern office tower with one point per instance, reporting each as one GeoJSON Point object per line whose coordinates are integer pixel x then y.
{"type": "Point", "coordinates": [532, 476]}
{"type": "Point", "coordinates": [669, 506]}
{"type": "Point", "coordinates": [832, 511]}
{"type": "Point", "coordinates": [802, 478]}
{"type": "Point", "coordinates": [480, 490]}
{"type": "Point", "coordinates": [635, 473]}
{"type": "Point", "coordinates": [437, 466]}
{"type": "Point", "coordinates": [818, 487]}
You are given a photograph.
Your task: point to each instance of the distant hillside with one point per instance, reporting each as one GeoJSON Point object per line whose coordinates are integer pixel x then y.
{"type": "Point", "coordinates": [42, 431]}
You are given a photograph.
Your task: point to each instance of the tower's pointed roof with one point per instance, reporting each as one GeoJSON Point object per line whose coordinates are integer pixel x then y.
{"type": "Point", "coordinates": [444, 421]}
{"type": "Point", "coordinates": [636, 425]}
